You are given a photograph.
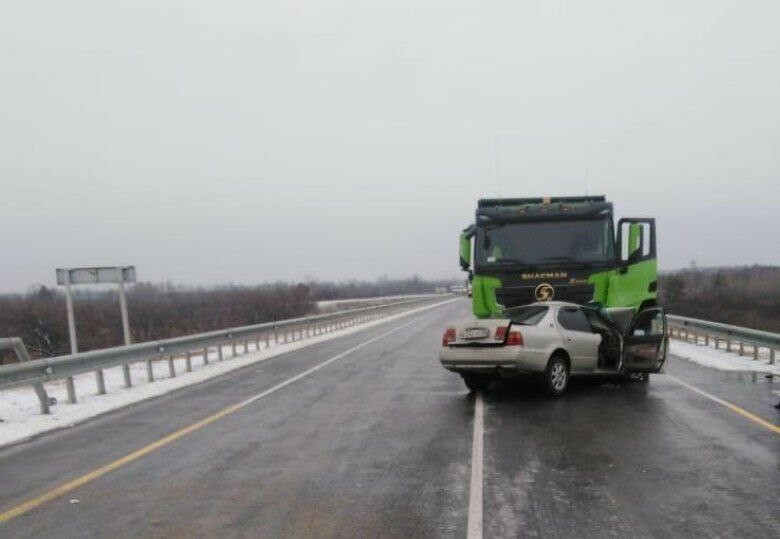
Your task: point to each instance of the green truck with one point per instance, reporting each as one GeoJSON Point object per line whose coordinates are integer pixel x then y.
{"type": "Point", "coordinates": [563, 248]}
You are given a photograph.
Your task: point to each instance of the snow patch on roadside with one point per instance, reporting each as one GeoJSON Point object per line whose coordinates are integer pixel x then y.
{"type": "Point", "coordinates": [720, 359]}
{"type": "Point", "coordinates": [20, 416]}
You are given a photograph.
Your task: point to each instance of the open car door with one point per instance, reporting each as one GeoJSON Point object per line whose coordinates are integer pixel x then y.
{"type": "Point", "coordinates": [645, 344]}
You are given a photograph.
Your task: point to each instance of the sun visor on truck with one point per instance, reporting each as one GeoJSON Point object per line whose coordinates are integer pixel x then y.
{"type": "Point", "coordinates": [551, 212]}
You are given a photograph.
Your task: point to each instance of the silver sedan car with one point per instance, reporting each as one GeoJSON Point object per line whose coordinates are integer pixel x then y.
{"type": "Point", "coordinates": [556, 340]}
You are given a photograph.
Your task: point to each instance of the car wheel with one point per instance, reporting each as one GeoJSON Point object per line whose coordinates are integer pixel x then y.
{"type": "Point", "coordinates": [477, 382]}
{"type": "Point", "coordinates": [556, 375]}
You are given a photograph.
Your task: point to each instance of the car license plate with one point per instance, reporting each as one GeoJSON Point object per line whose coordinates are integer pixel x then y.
{"type": "Point", "coordinates": [470, 334]}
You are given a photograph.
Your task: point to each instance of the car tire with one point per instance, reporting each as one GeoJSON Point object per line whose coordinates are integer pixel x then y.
{"type": "Point", "coordinates": [477, 382]}
{"type": "Point", "coordinates": [556, 375]}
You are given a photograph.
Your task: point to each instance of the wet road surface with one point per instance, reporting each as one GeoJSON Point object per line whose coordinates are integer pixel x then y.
{"type": "Point", "coordinates": [378, 442]}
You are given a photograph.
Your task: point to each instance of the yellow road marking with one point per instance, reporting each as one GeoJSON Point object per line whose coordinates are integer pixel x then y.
{"type": "Point", "coordinates": [91, 476]}
{"type": "Point", "coordinates": [135, 455]}
{"type": "Point", "coordinates": [730, 405]}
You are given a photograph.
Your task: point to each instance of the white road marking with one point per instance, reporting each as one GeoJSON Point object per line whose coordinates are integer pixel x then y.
{"type": "Point", "coordinates": [327, 362]}
{"type": "Point", "coordinates": [474, 530]}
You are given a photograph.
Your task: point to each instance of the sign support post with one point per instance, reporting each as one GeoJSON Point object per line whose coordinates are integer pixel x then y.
{"type": "Point", "coordinates": [125, 328]}
{"type": "Point", "coordinates": [74, 347]}
{"type": "Point", "coordinates": [115, 274]}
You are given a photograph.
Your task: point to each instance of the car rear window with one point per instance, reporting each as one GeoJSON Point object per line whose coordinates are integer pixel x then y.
{"type": "Point", "coordinates": [574, 319]}
{"type": "Point", "coordinates": [527, 315]}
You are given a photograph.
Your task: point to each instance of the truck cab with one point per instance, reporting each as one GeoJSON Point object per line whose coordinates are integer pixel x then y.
{"type": "Point", "coordinates": [524, 250]}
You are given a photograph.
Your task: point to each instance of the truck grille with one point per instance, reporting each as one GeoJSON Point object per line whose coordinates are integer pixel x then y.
{"type": "Point", "coordinates": [522, 295]}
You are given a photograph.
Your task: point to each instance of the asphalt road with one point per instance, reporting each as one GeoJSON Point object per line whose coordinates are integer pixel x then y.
{"type": "Point", "coordinates": [379, 441]}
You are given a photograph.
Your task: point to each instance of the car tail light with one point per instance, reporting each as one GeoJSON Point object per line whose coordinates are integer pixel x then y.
{"type": "Point", "coordinates": [501, 333]}
{"type": "Point", "coordinates": [515, 338]}
{"type": "Point", "coordinates": [448, 337]}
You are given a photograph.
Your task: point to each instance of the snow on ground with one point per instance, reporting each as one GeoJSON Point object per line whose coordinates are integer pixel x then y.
{"type": "Point", "coordinates": [20, 416]}
{"type": "Point", "coordinates": [723, 360]}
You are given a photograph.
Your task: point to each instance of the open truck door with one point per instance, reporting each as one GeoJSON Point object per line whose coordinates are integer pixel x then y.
{"type": "Point", "coordinates": [464, 245]}
{"type": "Point", "coordinates": [636, 240]}
{"type": "Point", "coordinates": [646, 343]}
{"type": "Point", "coordinates": [635, 284]}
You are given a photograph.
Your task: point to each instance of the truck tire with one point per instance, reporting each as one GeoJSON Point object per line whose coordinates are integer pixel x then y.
{"type": "Point", "coordinates": [477, 382]}
{"type": "Point", "coordinates": [636, 377]}
{"type": "Point", "coordinates": [556, 375]}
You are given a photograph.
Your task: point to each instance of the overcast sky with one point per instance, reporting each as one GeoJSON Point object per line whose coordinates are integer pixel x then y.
{"type": "Point", "coordinates": [216, 142]}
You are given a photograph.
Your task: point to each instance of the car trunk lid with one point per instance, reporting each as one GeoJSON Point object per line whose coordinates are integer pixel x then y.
{"type": "Point", "coordinates": [489, 332]}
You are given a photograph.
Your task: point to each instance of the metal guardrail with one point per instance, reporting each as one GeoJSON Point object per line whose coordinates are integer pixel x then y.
{"type": "Point", "coordinates": [39, 371]}
{"type": "Point", "coordinates": [688, 329]}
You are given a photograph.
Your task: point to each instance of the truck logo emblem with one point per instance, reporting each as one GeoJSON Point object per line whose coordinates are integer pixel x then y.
{"type": "Point", "coordinates": [544, 292]}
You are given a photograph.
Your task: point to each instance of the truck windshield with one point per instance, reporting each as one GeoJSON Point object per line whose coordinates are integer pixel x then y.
{"type": "Point", "coordinates": [546, 242]}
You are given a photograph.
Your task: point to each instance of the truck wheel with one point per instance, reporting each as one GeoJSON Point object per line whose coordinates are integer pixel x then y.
{"type": "Point", "coordinates": [636, 377]}
{"type": "Point", "coordinates": [477, 382]}
{"type": "Point", "coordinates": [556, 375]}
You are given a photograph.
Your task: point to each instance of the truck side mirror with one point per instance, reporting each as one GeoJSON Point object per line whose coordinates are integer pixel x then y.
{"type": "Point", "coordinates": [465, 252]}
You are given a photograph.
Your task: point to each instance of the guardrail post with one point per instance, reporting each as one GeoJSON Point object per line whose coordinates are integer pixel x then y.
{"type": "Point", "coordinates": [728, 345]}
{"type": "Point", "coordinates": [70, 387]}
{"type": "Point", "coordinates": [771, 356]}
{"type": "Point", "coordinates": [755, 352]}
{"type": "Point", "coordinates": [741, 348]}
{"type": "Point", "coordinates": [220, 356]}
{"type": "Point", "coordinates": [43, 398]}
{"type": "Point", "coordinates": [101, 382]}
{"type": "Point", "coordinates": [706, 339]}
{"type": "Point", "coordinates": [233, 347]}
{"type": "Point", "coordinates": [149, 370]}
{"type": "Point", "coordinates": [188, 361]}
{"type": "Point", "coordinates": [276, 336]}
{"type": "Point", "coordinates": [268, 340]}
{"type": "Point", "coordinates": [717, 343]}
{"type": "Point", "coordinates": [171, 367]}
{"type": "Point", "coordinates": [126, 375]}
